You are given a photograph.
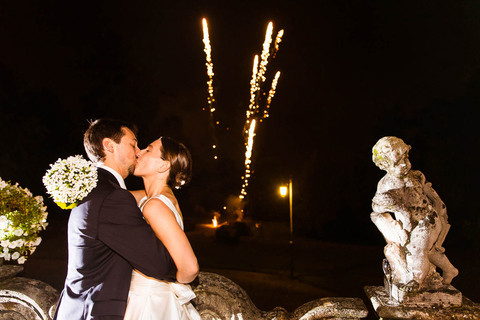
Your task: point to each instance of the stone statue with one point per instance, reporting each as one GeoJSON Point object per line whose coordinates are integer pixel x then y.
{"type": "Point", "coordinates": [412, 218]}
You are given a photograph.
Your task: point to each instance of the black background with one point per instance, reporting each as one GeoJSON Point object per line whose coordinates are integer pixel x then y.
{"type": "Point", "coordinates": [352, 72]}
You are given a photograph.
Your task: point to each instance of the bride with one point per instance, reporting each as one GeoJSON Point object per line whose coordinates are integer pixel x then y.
{"type": "Point", "coordinates": [165, 164]}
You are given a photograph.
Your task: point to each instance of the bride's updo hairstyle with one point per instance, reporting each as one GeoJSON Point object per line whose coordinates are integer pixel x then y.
{"type": "Point", "coordinates": [180, 162]}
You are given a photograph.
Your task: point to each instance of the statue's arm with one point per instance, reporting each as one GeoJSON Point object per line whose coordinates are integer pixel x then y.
{"type": "Point", "coordinates": [391, 229]}
{"type": "Point", "coordinates": [384, 203]}
{"type": "Point", "coordinates": [437, 203]}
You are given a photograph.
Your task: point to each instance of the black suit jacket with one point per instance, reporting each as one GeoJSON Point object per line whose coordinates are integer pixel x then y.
{"type": "Point", "coordinates": [107, 236]}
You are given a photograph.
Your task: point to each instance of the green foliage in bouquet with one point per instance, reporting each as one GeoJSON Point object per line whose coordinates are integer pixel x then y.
{"type": "Point", "coordinates": [22, 217]}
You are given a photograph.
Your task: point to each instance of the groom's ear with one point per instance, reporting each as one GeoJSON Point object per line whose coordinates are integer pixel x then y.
{"type": "Point", "coordinates": [107, 145]}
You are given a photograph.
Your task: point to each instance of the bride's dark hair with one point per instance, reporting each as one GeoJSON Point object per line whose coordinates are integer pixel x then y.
{"type": "Point", "coordinates": [180, 162]}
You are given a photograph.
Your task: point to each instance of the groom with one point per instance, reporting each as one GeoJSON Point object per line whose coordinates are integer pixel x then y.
{"type": "Point", "coordinates": [107, 235]}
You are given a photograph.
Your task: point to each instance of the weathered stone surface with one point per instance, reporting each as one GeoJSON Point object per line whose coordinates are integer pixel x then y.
{"type": "Point", "coordinates": [9, 271]}
{"type": "Point", "coordinates": [414, 222]}
{"type": "Point", "coordinates": [217, 298]}
{"type": "Point", "coordinates": [220, 298]}
{"type": "Point", "coordinates": [378, 297]}
{"type": "Point", "coordinates": [29, 299]}
{"type": "Point", "coordinates": [328, 308]}
{"type": "Point", "coordinates": [445, 296]}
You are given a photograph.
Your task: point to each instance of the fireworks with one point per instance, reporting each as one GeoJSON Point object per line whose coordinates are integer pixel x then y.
{"type": "Point", "coordinates": [271, 93]}
{"type": "Point", "coordinates": [258, 109]}
{"type": "Point", "coordinates": [210, 99]}
{"type": "Point", "coordinates": [248, 158]}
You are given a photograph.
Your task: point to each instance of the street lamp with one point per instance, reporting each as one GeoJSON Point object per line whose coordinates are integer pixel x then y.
{"type": "Point", "coordinates": [284, 190]}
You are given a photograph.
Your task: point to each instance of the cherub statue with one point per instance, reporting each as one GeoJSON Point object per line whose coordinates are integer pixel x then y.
{"type": "Point", "coordinates": [411, 217]}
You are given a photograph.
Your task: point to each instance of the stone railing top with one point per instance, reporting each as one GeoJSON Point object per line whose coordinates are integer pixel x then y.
{"type": "Point", "coordinates": [9, 271]}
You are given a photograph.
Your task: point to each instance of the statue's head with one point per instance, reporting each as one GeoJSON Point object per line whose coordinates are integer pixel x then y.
{"type": "Point", "coordinates": [391, 154]}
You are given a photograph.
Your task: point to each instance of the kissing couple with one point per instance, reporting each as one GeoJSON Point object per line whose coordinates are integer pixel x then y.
{"type": "Point", "coordinates": [128, 256]}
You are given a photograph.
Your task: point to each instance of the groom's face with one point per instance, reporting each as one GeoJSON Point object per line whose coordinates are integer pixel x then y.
{"type": "Point", "coordinates": [126, 153]}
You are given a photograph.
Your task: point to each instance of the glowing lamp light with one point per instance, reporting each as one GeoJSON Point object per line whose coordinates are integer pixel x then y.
{"type": "Point", "coordinates": [214, 222]}
{"type": "Point", "coordinates": [283, 191]}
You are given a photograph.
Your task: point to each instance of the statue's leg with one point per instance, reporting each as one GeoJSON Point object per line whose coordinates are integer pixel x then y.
{"type": "Point", "coordinates": [418, 260]}
{"type": "Point", "coordinates": [436, 252]}
{"type": "Point", "coordinates": [440, 260]}
{"type": "Point", "coordinates": [396, 257]}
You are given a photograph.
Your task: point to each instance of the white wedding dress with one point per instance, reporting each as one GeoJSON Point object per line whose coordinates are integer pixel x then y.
{"type": "Point", "coordinates": [152, 299]}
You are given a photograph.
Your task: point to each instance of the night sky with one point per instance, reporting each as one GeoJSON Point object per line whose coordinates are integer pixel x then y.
{"type": "Point", "coordinates": [352, 72]}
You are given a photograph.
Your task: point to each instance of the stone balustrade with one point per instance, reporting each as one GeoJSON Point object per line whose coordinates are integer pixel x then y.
{"type": "Point", "coordinates": [24, 298]}
{"type": "Point", "coordinates": [221, 298]}
{"type": "Point", "coordinates": [217, 298]}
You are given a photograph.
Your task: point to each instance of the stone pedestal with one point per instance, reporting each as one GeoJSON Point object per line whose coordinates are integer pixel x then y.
{"type": "Point", "coordinates": [442, 297]}
{"type": "Point", "coordinates": [417, 308]}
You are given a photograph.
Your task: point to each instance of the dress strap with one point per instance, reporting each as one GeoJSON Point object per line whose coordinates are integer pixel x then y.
{"type": "Point", "coordinates": [168, 203]}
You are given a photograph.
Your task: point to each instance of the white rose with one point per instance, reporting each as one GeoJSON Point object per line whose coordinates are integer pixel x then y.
{"type": "Point", "coordinates": [15, 255]}
{"type": "Point", "coordinates": [18, 232]}
{"type": "Point", "coordinates": [11, 245]}
{"type": "Point", "coordinates": [32, 250]}
{"type": "Point", "coordinates": [21, 260]}
{"type": "Point", "coordinates": [6, 256]}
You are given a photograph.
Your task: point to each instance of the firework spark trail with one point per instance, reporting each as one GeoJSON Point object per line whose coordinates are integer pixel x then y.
{"type": "Point", "coordinates": [278, 39]}
{"type": "Point", "coordinates": [258, 76]}
{"type": "Point", "coordinates": [271, 93]}
{"type": "Point", "coordinates": [254, 111]}
{"type": "Point", "coordinates": [210, 99]}
{"type": "Point", "coordinates": [253, 90]}
{"type": "Point", "coordinates": [248, 158]}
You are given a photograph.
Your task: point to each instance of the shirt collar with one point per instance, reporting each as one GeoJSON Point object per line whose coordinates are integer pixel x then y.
{"type": "Point", "coordinates": [119, 178]}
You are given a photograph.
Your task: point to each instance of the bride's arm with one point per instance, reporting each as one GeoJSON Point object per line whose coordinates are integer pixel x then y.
{"type": "Point", "coordinates": [138, 194]}
{"type": "Point", "coordinates": [163, 222]}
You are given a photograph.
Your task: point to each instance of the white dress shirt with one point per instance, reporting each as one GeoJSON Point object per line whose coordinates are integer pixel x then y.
{"type": "Point", "coordinates": [117, 175]}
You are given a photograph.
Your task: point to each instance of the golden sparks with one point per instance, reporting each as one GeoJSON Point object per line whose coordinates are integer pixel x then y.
{"type": "Point", "coordinates": [257, 109]}
{"type": "Point", "coordinates": [248, 158]}
{"type": "Point", "coordinates": [208, 55]}
{"type": "Point", "coordinates": [259, 103]}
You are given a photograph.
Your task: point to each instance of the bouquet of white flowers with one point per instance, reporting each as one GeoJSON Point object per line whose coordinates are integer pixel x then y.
{"type": "Point", "coordinates": [22, 216]}
{"type": "Point", "coordinates": [70, 180]}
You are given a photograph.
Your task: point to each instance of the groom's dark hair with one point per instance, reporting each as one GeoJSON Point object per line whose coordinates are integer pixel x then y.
{"type": "Point", "coordinates": [101, 129]}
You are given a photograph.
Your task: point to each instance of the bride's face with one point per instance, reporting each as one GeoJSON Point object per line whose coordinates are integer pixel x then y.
{"type": "Point", "coordinates": [149, 160]}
